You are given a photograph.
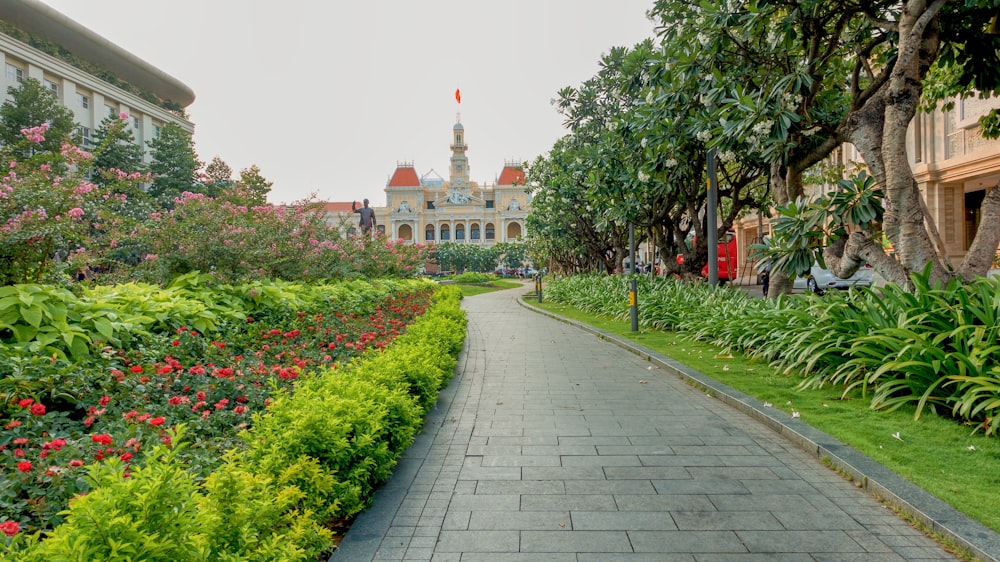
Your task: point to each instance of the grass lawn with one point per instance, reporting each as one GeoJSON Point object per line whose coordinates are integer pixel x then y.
{"type": "Point", "coordinates": [470, 289]}
{"type": "Point", "coordinates": [936, 453]}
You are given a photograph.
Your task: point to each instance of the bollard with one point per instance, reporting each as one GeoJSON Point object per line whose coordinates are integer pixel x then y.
{"type": "Point", "coordinates": [633, 306]}
{"type": "Point", "coordinates": [538, 286]}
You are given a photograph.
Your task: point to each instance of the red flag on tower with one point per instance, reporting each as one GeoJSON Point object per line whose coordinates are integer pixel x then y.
{"type": "Point", "coordinates": [458, 96]}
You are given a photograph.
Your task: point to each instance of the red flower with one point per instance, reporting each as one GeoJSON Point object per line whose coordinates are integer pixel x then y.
{"type": "Point", "coordinates": [175, 343]}
{"type": "Point", "coordinates": [76, 462]}
{"type": "Point", "coordinates": [104, 400]}
{"type": "Point", "coordinates": [55, 444]}
{"type": "Point", "coordinates": [26, 402]}
{"type": "Point", "coordinates": [158, 421]}
{"type": "Point", "coordinates": [240, 409]}
{"type": "Point", "coordinates": [125, 457]}
{"type": "Point", "coordinates": [20, 441]}
{"type": "Point", "coordinates": [102, 438]}
{"type": "Point", "coordinates": [10, 528]}
{"type": "Point", "coordinates": [24, 466]}
{"type": "Point", "coordinates": [38, 409]}
{"type": "Point", "coordinates": [12, 424]}
{"type": "Point", "coordinates": [135, 368]}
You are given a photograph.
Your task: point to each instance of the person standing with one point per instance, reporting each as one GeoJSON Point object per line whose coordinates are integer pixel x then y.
{"type": "Point", "coordinates": [367, 221]}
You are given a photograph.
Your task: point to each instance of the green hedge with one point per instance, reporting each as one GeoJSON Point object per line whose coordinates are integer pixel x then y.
{"type": "Point", "coordinates": [315, 457]}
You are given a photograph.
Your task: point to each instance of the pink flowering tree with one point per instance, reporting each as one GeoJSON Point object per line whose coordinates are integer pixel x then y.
{"type": "Point", "coordinates": [54, 221]}
{"type": "Point", "coordinates": [233, 240]}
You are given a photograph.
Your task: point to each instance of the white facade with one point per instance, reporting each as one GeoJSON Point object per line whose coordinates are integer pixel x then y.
{"type": "Point", "coordinates": [88, 97]}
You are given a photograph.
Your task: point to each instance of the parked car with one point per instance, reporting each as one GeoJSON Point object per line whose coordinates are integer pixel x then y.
{"type": "Point", "coordinates": [819, 279]}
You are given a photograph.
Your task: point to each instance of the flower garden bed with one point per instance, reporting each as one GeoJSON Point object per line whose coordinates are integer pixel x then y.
{"type": "Point", "coordinates": [253, 410]}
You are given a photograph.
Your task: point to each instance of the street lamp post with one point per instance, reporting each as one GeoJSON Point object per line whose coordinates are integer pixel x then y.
{"type": "Point", "coordinates": [712, 221]}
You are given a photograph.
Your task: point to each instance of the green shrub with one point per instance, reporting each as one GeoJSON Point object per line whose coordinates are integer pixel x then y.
{"type": "Point", "coordinates": [347, 425]}
{"type": "Point", "coordinates": [150, 514]}
{"type": "Point", "coordinates": [935, 347]}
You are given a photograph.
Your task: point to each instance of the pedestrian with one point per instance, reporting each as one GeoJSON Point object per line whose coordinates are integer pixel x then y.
{"type": "Point", "coordinates": [367, 221]}
{"type": "Point", "coordinates": [764, 272]}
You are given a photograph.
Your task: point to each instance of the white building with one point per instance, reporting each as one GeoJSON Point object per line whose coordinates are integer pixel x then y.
{"type": "Point", "coordinates": [428, 209]}
{"type": "Point", "coordinates": [31, 30]}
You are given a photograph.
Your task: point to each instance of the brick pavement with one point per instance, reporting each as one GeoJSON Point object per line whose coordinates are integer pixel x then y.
{"type": "Point", "coordinates": [553, 444]}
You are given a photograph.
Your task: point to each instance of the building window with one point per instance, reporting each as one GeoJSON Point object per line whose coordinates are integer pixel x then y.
{"type": "Point", "coordinates": [156, 131]}
{"type": "Point", "coordinates": [85, 139]}
{"type": "Point", "coordinates": [429, 233]}
{"type": "Point", "coordinates": [14, 74]}
{"type": "Point", "coordinates": [84, 101]}
{"type": "Point", "coordinates": [52, 86]}
{"type": "Point", "coordinates": [110, 110]}
{"type": "Point", "coordinates": [430, 205]}
{"type": "Point", "coordinates": [460, 232]}
{"type": "Point", "coordinates": [474, 232]}
{"type": "Point", "coordinates": [135, 122]}
{"type": "Point", "coordinates": [445, 233]}
{"type": "Point", "coordinates": [489, 232]}
{"type": "Point", "coordinates": [489, 204]}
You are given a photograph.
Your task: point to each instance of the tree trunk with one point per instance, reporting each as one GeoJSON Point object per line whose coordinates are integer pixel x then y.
{"type": "Point", "coordinates": [786, 186]}
{"type": "Point", "coordinates": [904, 217]}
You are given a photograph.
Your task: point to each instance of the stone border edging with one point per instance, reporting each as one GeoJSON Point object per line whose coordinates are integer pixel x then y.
{"type": "Point", "coordinates": [970, 535]}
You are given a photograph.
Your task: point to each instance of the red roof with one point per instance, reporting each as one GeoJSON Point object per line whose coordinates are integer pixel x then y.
{"type": "Point", "coordinates": [404, 176]}
{"type": "Point", "coordinates": [337, 206]}
{"type": "Point", "coordinates": [511, 175]}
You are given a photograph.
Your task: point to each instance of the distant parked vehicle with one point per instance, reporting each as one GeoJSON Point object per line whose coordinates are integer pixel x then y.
{"type": "Point", "coordinates": [819, 279]}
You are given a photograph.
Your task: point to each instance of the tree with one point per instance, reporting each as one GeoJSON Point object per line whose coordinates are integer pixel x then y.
{"type": "Point", "coordinates": [175, 165]}
{"type": "Point", "coordinates": [218, 171]}
{"type": "Point", "coordinates": [30, 105]}
{"type": "Point", "coordinates": [119, 151]}
{"type": "Point", "coordinates": [799, 78]}
{"type": "Point", "coordinates": [255, 186]}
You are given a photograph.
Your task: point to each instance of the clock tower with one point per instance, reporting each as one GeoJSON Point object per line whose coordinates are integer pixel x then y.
{"type": "Point", "coordinates": [459, 189]}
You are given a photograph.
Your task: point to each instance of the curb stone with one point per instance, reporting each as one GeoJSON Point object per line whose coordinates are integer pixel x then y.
{"type": "Point", "coordinates": [882, 483]}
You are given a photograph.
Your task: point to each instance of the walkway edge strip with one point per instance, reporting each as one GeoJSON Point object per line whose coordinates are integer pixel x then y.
{"type": "Point", "coordinates": [889, 487]}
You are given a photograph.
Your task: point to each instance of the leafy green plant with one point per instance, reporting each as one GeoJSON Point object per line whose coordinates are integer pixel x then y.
{"type": "Point", "coordinates": [933, 347]}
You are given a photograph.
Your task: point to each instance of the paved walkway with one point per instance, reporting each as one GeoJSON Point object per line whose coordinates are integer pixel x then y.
{"type": "Point", "coordinates": [553, 444]}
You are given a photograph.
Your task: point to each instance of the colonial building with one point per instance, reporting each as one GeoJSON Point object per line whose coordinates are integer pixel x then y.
{"type": "Point", "coordinates": [428, 208]}
{"type": "Point", "coordinates": [41, 43]}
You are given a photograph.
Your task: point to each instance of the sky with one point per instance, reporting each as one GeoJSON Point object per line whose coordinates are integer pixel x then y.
{"type": "Point", "coordinates": [327, 97]}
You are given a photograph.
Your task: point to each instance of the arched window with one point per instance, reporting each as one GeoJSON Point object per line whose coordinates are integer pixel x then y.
{"type": "Point", "coordinates": [405, 232]}
{"type": "Point", "coordinates": [513, 231]}
{"type": "Point", "coordinates": [429, 233]}
{"type": "Point", "coordinates": [489, 231]}
{"type": "Point", "coordinates": [474, 231]}
{"type": "Point", "coordinates": [459, 232]}
{"type": "Point", "coordinates": [445, 233]}
{"type": "Point", "coordinates": [380, 229]}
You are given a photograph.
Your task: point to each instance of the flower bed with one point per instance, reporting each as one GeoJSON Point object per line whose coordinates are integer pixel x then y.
{"type": "Point", "coordinates": [176, 396]}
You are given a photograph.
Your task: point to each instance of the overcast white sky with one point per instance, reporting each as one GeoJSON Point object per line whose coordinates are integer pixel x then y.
{"type": "Point", "coordinates": [327, 96]}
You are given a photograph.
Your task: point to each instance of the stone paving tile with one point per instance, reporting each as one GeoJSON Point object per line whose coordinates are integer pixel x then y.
{"type": "Point", "coordinates": [686, 541]}
{"type": "Point", "coordinates": [621, 521]}
{"type": "Point", "coordinates": [545, 446]}
{"type": "Point", "coordinates": [521, 520]}
{"type": "Point", "coordinates": [478, 541]}
{"type": "Point", "coordinates": [575, 541]}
